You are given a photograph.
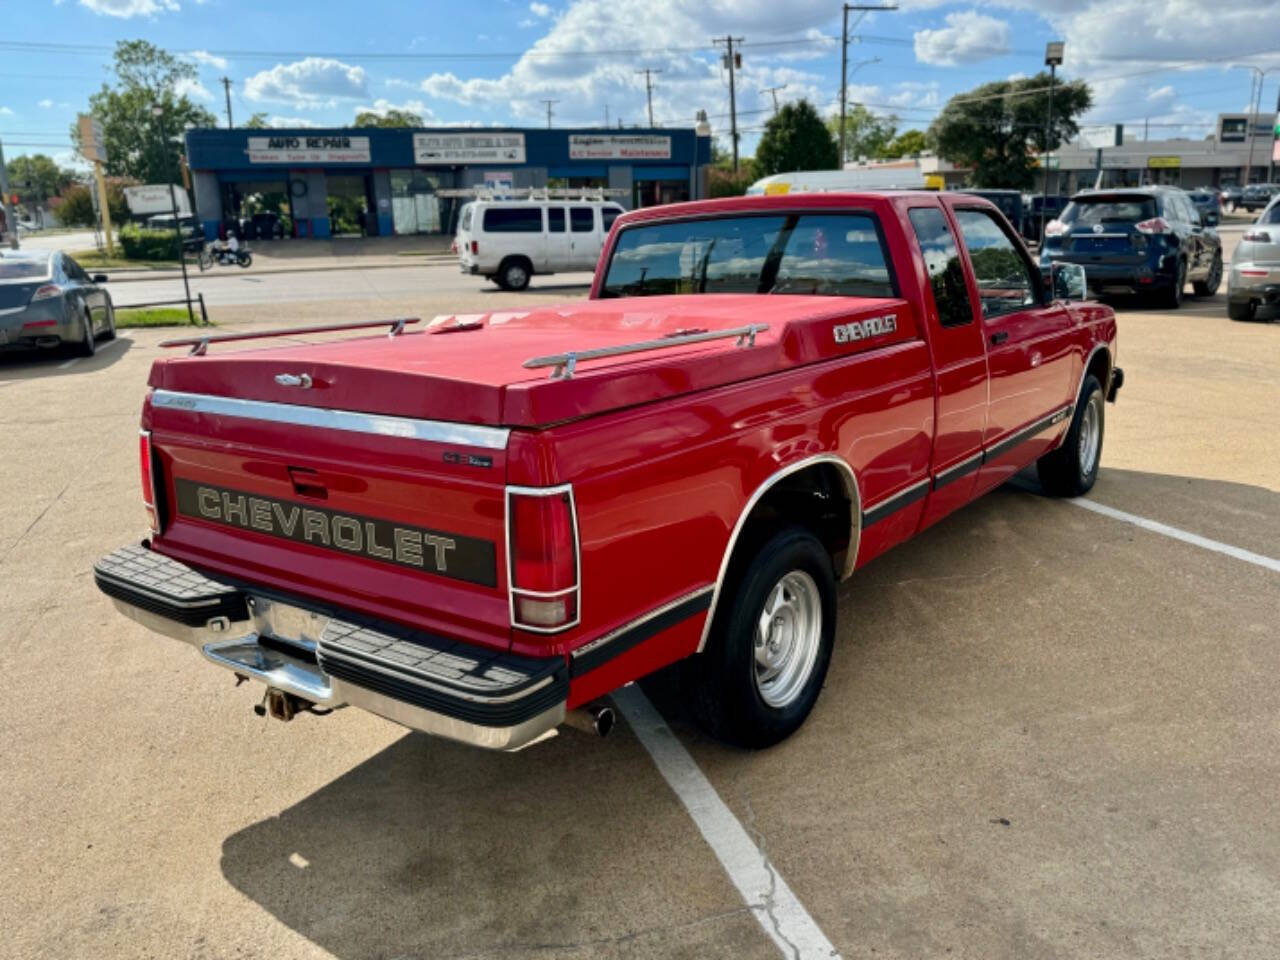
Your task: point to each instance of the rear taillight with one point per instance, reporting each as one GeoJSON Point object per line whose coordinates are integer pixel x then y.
{"type": "Point", "coordinates": [1258, 236]}
{"type": "Point", "coordinates": [1154, 225]}
{"type": "Point", "coordinates": [542, 552]}
{"type": "Point", "coordinates": [46, 292]}
{"type": "Point", "coordinates": [1055, 228]}
{"type": "Point", "coordinates": [148, 481]}
{"type": "Point", "coordinates": [475, 248]}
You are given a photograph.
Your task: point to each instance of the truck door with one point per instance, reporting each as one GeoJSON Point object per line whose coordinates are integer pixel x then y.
{"type": "Point", "coordinates": [1028, 346]}
{"type": "Point", "coordinates": [557, 245]}
{"type": "Point", "coordinates": [960, 364]}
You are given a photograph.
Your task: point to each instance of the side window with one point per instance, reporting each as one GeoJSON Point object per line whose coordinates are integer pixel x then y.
{"type": "Point", "coordinates": [1005, 283]}
{"type": "Point", "coordinates": [73, 270]}
{"type": "Point", "coordinates": [608, 215]}
{"type": "Point", "coordinates": [942, 259]}
{"type": "Point", "coordinates": [555, 219]}
{"type": "Point", "coordinates": [513, 220]}
{"type": "Point", "coordinates": [582, 219]}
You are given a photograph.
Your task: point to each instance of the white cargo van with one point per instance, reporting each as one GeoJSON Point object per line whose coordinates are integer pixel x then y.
{"type": "Point", "coordinates": [508, 241]}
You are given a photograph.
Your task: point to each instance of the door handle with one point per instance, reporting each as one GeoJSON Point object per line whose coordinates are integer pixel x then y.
{"type": "Point", "coordinates": [1000, 336]}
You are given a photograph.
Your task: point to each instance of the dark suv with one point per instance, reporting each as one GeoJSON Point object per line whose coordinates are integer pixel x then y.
{"type": "Point", "coordinates": [1146, 240]}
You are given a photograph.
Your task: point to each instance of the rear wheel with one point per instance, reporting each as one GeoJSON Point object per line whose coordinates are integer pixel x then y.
{"type": "Point", "coordinates": [1242, 309]}
{"type": "Point", "coordinates": [111, 322]}
{"type": "Point", "coordinates": [1172, 298]}
{"type": "Point", "coordinates": [514, 273]}
{"type": "Point", "coordinates": [1072, 469]}
{"type": "Point", "coordinates": [770, 645]}
{"type": "Point", "coordinates": [87, 346]}
{"type": "Point", "coordinates": [1209, 285]}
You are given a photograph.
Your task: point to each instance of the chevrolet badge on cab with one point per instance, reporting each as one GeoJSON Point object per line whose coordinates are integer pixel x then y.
{"type": "Point", "coordinates": [481, 527]}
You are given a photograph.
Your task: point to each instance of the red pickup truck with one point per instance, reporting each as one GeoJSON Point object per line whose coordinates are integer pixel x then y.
{"type": "Point", "coordinates": [481, 527]}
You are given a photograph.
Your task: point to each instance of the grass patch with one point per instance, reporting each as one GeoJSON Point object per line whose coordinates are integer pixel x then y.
{"type": "Point", "coordinates": [98, 260]}
{"type": "Point", "coordinates": [153, 317]}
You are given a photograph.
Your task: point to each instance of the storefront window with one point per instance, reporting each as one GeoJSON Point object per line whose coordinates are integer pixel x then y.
{"type": "Point", "coordinates": [415, 207]}
{"type": "Point", "coordinates": [652, 193]}
{"type": "Point", "coordinates": [577, 183]}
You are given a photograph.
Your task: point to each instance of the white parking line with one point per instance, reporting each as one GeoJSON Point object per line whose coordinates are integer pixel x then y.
{"type": "Point", "coordinates": [775, 907]}
{"type": "Point", "coordinates": [106, 346]}
{"type": "Point", "coordinates": [1205, 543]}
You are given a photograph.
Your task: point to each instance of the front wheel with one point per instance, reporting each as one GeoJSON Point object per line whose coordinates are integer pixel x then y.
{"type": "Point", "coordinates": [1209, 285]}
{"type": "Point", "coordinates": [1072, 469]}
{"type": "Point", "coordinates": [245, 260]}
{"type": "Point", "coordinates": [770, 645]}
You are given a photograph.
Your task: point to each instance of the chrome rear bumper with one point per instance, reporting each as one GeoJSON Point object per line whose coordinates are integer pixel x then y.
{"type": "Point", "coordinates": [329, 658]}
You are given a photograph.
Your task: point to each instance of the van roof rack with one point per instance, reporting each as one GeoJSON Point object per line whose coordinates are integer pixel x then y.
{"type": "Point", "coordinates": [564, 363]}
{"type": "Point", "coordinates": [200, 345]}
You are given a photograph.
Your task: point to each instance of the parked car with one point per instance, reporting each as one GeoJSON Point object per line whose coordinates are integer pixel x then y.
{"type": "Point", "coordinates": [1032, 205]}
{"type": "Point", "coordinates": [47, 301]}
{"type": "Point", "coordinates": [1147, 240]}
{"type": "Point", "coordinates": [1254, 278]}
{"type": "Point", "coordinates": [1256, 196]}
{"type": "Point", "coordinates": [1209, 203]}
{"type": "Point", "coordinates": [680, 468]}
{"type": "Point", "coordinates": [1231, 195]}
{"type": "Point", "coordinates": [508, 241]}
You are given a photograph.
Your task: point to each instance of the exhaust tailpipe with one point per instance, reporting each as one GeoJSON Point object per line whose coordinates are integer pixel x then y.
{"type": "Point", "coordinates": [598, 718]}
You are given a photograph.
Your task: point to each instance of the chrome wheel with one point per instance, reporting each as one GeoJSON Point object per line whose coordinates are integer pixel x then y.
{"type": "Point", "coordinates": [788, 635]}
{"type": "Point", "coordinates": [1090, 435]}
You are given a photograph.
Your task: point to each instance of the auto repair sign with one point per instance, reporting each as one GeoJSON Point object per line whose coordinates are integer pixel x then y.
{"type": "Point", "coordinates": [318, 149]}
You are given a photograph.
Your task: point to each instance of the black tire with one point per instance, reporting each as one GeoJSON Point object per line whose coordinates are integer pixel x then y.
{"type": "Point", "coordinates": [1068, 471]}
{"type": "Point", "coordinates": [1242, 309]}
{"type": "Point", "coordinates": [246, 260]}
{"type": "Point", "coordinates": [725, 688]}
{"type": "Point", "coordinates": [1172, 297]}
{"type": "Point", "coordinates": [514, 273]}
{"type": "Point", "coordinates": [1209, 285]}
{"type": "Point", "coordinates": [111, 322]}
{"type": "Point", "coordinates": [87, 346]}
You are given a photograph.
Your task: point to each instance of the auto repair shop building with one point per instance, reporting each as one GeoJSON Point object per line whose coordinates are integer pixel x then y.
{"type": "Point", "coordinates": [380, 182]}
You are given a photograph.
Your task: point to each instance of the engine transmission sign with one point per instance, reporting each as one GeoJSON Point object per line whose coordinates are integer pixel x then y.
{"type": "Point", "coordinates": [618, 147]}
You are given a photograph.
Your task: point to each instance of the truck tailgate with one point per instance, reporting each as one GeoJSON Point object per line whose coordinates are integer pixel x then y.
{"type": "Point", "coordinates": [397, 518]}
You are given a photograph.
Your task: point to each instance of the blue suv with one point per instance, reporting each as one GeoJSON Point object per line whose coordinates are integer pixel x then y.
{"type": "Point", "coordinates": [1149, 241]}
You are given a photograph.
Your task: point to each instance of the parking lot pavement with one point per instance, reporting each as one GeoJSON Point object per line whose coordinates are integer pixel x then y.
{"type": "Point", "coordinates": [1046, 732]}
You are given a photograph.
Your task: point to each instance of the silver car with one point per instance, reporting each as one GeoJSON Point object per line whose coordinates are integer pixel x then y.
{"type": "Point", "coordinates": [47, 300]}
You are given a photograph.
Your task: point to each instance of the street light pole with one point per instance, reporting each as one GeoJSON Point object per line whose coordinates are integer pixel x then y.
{"type": "Point", "coordinates": [1052, 59]}
{"type": "Point", "coordinates": [158, 112]}
{"type": "Point", "coordinates": [862, 9]}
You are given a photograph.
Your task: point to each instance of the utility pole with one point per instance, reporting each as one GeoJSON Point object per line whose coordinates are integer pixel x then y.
{"type": "Point", "coordinates": [1053, 59]}
{"type": "Point", "coordinates": [1255, 104]}
{"type": "Point", "coordinates": [10, 215]}
{"type": "Point", "coordinates": [774, 92]}
{"type": "Point", "coordinates": [606, 115]}
{"type": "Point", "coordinates": [226, 86]}
{"type": "Point", "coordinates": [732, 61]}
{"type": "Point", "coordinates": [648, 86]}
{"type": "Point", "coordinates": [862, 9]}
{"type": "Point", "coordinates": [549, 104]}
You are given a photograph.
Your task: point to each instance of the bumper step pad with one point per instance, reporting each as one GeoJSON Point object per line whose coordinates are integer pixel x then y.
{"type": "Point", "coordinates": [144, 578]}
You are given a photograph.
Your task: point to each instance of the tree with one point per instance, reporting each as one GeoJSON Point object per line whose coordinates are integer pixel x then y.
{"type": "Point", "coordinates": [906, 144]}
{"type": "Point", "coordinates": [257, 122]}
{"type": "Point", "coordinates": [865, 133]}
{"type": "Point", "coordinates": [998, 129]}
{"type": "Point", "coordinates": [74, 206]}
{"type": "Point", "coordinates": [391, 118]}
{"type": "Point", "coordinates": [795, 139]}
{"type": "Point", "coordinates": [36, 178]}
{"type": "Point", "coordinates": [140, 144]}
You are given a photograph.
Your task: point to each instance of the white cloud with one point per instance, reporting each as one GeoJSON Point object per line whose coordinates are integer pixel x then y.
{"type": "Point", "coordinates": [124, 9]}
{"type": "Point", "coordinates": [285, 122]}
{"type": "Point", "coordinates": [192, 88]}
{"type": "Point", "coordinates": [540, 10]}
{"type": "Point", "coordinates": [311, 84]}
{"type": "Point", "coordinates": [45, 104]}
{"type": "Point", "coordinates": [662, 30]}
{"type": "Point", "coordinates": [968, 37]}
{"type": "Point", "coordinates": [207, 58]}
{"type": "Point", "coordinates": [6, 112]}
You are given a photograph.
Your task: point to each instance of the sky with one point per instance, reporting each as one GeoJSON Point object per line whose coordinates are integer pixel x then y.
{"type": "Point", "coordinates": [1170, 65]}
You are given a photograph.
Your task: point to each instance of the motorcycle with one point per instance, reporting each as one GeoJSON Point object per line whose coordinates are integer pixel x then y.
{"type": "Point", "coordinates": [224, 257]}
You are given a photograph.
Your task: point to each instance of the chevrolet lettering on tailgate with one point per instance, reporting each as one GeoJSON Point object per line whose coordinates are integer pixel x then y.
{"type": "Point", "coordinates": [448, 554]}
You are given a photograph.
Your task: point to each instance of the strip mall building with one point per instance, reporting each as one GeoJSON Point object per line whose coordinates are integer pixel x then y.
{"type": "Point", "coordinates": [382, 182]}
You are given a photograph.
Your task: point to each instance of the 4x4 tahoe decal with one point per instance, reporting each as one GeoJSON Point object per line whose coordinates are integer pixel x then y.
{"type": "Point", "coordinates": [446, 554]}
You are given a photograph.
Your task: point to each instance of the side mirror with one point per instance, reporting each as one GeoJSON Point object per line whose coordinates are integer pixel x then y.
{"type": "Point", "coordinates": [1068, 281]}
{"type": "Point", "coordinates": [100, 278]}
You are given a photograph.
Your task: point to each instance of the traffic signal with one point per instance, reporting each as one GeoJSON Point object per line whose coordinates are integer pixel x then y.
{"type": "Point", "coordinates": [14, 199]}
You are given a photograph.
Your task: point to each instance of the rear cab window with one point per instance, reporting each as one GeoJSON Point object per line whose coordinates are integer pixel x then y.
{"type": "Point", "coordinates": [824, 254]}
{"type": "Point", "coordinates": [513, 220]}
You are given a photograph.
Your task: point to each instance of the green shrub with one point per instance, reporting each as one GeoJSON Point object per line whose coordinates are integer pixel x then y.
{"type": "Point", "coordinates": [138, 243]}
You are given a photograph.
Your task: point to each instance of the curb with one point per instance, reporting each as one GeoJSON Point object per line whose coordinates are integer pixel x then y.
{"type": "Point", "coordinates": [134, 275]}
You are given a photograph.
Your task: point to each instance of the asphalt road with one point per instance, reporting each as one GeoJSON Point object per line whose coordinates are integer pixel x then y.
{"type": "Point", "coordinates": [1046, 732]}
